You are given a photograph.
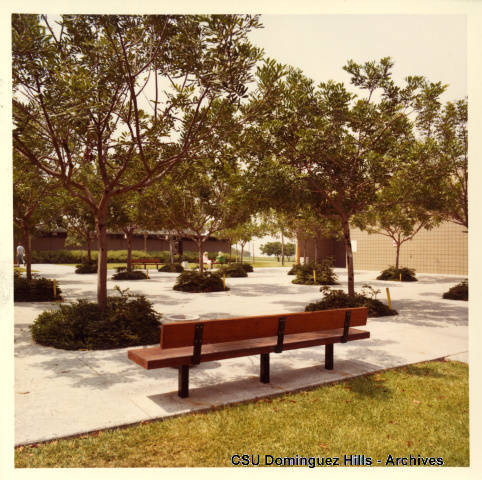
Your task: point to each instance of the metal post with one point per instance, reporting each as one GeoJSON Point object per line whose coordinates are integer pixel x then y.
{"type": "Point", "coordinates": [314, 277]}
{"type": "Point", "coordinates": [329, 356]}
{"type": "Point", "coordinates": [388, 299]}
{"type": "Point", "coordinates": [264, 368]}
{"type": "Point", "coordinates": [183, 381]}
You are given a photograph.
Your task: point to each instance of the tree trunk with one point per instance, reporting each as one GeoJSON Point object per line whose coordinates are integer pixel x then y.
{"type": "Point", "coordinates": [316, 249]}
{"type": "Point", "coordinates": [129, 249]}
{"type": "Point", "coordinates": [28, 256]}
{"type": "Point", "coordinates": [101, 230]}
{"type": "Point", "coordinates": [171, 248]}
{"type": "Point", "coordinates": [349, 258]}
{"type": "Point", "coordinates": [282, 249]}
{"type": "Point", "coordinates": [397, 259]}
{"type": "Point", "coordinates": [89, 249]}
{"type": "Point", "coordinates": [242, 252]}
{"type": "Point", "coordinates": [200, 251]}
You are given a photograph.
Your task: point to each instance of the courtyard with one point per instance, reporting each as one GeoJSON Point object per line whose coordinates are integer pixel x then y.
{"type": "Point", "coordinates": [63, 393]}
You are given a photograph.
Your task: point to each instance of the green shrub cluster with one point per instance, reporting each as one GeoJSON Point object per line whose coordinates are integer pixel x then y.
{"type": "Point", "coordinates": [248, 268]}
{"type": "Point", "coordinates": [339, 299]}
{"type": "Point", "coordinates": [127, 321]}
{"type": "Point", "coordinates": [172, 267]}
{"type": "Point", "coordinates": [324, 273]}
{"type": "Point", "coordinates": [233, 270]}
{"type": "Point", "coordinates": [35, 290]}
{"type": "Point", "coordinates": [392, 273]}
{"type": "Point", "coordinates": [113, 256]}
{"type": "Point", "coordinates": [86, 267]}
{"type": "Point", "coordinates": [195, 282]}
{"type": "Point", "coordinates": [458, 292]}
{"type": "Point", "coordinates": [132, 275]}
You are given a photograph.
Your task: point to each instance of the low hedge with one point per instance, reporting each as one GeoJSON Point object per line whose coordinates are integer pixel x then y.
{"type": "Point", "coordinates": [132, 275]}
{"type": "Point", "coordinates": [392, 273]}
{"type": "Point", "coordinates": [86, 267]}
{"type": "Point", "coordinates": [196, 282]}
{"type": "Point", "coordinates": [172, 268]}
{"type": "Point", "coordinates": [126, 322]}
{"type": "Point", "coordinates": [35, 290]}
{"type": "Point", "coordinates": [458, 292]}
{"type": "Point", "coordinates": [233, 270]}
{"type": "Point", "coordinates": [324, 273]}
{"type": "Point", "coordinates": [340, 299]}
{"type": "Point", "coordinates": [113, 256]}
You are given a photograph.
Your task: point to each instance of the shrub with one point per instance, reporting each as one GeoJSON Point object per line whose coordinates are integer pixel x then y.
{"type": "Point", "coordinates": [340, 299]}
{"type": "Point", "coordinates": [133, 275]}
{"type": "Point", "coordinates": [35, 290]}
{"type": "Point", "coordinates": [172, 267]}
{"type": "Point", "coordinates": [86, 267]}
{"type": "Point", "coordinates": [195, 282]}
{"type": "Point", "coordinates": [247, 267]}
{"type": "Point", "coordinates": [458, 292]}
{"type": "Point", "coordinates": [391, 273]}
{"type": "Point", "coordinates": [127, 321]}
{"type": "Point", "coordinates": [324, 274]}
{"type": "Point", "coordinates": [296, 268]}
{"type": "Point", "coordinates": [233, 270]}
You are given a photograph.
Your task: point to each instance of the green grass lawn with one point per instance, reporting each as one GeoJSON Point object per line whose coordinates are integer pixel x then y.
{"type": "Point", "coordinates": [417, 410]}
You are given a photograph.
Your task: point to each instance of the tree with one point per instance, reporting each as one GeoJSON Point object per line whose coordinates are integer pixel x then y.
{"type": "Point", "coordinates": [397, 214]}
{"type": "Point", "coordinates": [342, 146]}
{"type": "Point", "coordinates": [79, 222]}
{"type": "Point", "coordinates": [451, 135]}
{"type": "Point", "coordinates": [271, 248]}
{"type": "Point", "coordinates": [34, 203]}
{"type": "Point", "coordinates": [243, 233]}
{"type": "Point", "coordinates": [200, 200]}
{"type": "Point", "coordinates": [78, 86]}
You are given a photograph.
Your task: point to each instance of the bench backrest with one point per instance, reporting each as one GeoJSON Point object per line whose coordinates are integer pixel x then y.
{"type": "Point", "coordinates": [181, 334]}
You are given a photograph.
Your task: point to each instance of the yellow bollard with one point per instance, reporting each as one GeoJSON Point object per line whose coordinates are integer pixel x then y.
{"type": "Point", "coordinates": [314, 277]}
{"type": "Point", "coordinates": [388, 298]}
{"type": "Point", "coordinates": [400, 277]}
{"type": "Point", "coordinates": [55, 288]}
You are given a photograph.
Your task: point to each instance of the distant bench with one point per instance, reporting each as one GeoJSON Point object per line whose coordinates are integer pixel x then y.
{"type": "Point", "coordinates": [147, 261]}
{"type": "Point", "coordinates": [184, 344]}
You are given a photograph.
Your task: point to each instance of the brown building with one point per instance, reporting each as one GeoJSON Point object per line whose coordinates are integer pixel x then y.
{"type": "Point", "coordinates": [117, 241]}
{"type": "Point", "coordinates": [441, 250]}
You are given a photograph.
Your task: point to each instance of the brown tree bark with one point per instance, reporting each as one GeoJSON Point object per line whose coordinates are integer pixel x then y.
{"type": "Point", "coordinates": [89, 247]}
{"type": "Point", "coordinates": [129, 233]}
{"type": "Point", "coordinates": [101, 230]}
{"type": "Point", "coordinates": [349, 257]}
{"type": "Point", "coordinates": [200, 251]}
{"type": "Point", "coordinates": [282, 249]}
{"type": "Point", "coordinates": [28, 256]}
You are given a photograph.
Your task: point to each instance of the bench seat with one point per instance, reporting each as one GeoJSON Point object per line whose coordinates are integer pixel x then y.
{"type": "Point", "coordinates": [156, 357]}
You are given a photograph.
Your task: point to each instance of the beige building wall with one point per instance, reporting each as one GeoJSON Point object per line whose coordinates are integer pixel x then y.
{"type": "Point", "coordinates": [440, 250]}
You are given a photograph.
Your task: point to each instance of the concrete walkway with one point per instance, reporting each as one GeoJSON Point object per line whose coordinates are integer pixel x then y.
{"type": "Point", "coordinates": [60, 393]}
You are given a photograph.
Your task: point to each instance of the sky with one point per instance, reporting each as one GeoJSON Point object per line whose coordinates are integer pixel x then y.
{"type": "Point", "coordinates": [434, 46]}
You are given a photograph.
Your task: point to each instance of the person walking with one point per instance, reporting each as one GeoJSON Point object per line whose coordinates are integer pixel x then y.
{"type": "Point", "coordinates": [20, 255]}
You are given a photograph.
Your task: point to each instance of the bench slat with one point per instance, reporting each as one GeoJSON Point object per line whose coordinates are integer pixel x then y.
{"type": "Point", "coordinates": [181, 334]}
{"type": "Point", "coordinates": [156, 357]}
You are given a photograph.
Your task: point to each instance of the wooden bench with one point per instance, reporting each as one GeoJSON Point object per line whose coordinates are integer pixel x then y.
{"type": "Point", "coordinates": [147, 261]}
{"type": "Point", "coordinates": [184, 344]}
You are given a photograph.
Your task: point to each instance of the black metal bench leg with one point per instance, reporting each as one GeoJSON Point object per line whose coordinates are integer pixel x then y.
{"type": "Point", "coordinates": [183, 381]}
{"type": "Point", "coordinates": [329, 356]}
{"type": "Point", "coordinates": [264, 368]}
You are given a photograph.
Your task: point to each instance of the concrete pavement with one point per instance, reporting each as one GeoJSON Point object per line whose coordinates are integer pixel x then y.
{"type": "Point", "coordinates": [61, 393]}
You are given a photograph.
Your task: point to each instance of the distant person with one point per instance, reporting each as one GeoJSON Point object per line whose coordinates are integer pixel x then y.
{"type": "Point", "coordinates": [206, 260]}
{"type": "Point", "coordinates": [20, 255]}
